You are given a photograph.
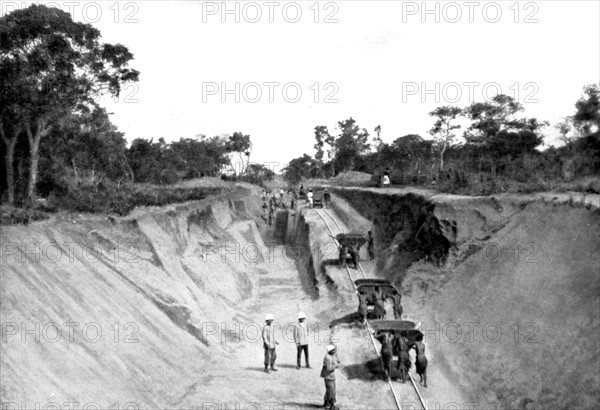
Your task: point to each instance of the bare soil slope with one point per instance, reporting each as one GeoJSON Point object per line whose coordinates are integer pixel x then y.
{"type": "Point", "coordinates": [105, 312]}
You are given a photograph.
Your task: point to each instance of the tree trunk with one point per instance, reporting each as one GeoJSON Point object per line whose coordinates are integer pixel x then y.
{"type": "Point", "coordinates": [10, 172]}
{"type": "Point", "coordinates": [75, 171]}
{"type": "Point", "coordinates": [33, 167]}
{"type": "Point", "coordinates": [34, 144]}
{"type": "Point", "coordinates": [442, 158]}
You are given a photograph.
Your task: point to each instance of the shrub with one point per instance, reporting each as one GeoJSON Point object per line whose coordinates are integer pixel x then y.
{"type": "Point", "coordinates": [110, 198]}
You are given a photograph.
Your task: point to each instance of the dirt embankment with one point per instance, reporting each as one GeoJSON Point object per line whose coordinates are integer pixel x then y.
{"type": "Point", "coordinates": [113, 311]}
{"type": "Point", "coordinates": [508, 288]}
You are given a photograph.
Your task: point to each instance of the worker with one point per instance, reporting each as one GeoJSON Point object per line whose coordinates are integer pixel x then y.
{"type": "Point", "coordinates": [421, 361]}
{"type": "Point", "coordinates": [264, 208]}
{"type": "Point", "coordinates": [379, 302]}
{"type": "Point", "coordinates": [301, 339]}
{"type": "Point", "coordinates": [269, 343]}
{"type": "Point", "coordinates": [362, 307]}
{"type": "Point", "coordinates": [401, 348]}
{"type": "Point", "coordinates": [343, 255]}
{"type": "Point", "coordinates": [353, 255]}
{"type": "Point", "coordinates": [309, 198]}
{"type": "Point", "coordinates": [397, 304]}
{"type": "Point", "coordinates": [370, 246]}
{"type": "Point", "coordinates": [326, 198]}
{"type": "Point", "coordinates": [328, 374]}
{"type": "Point", "coordinates": [385, 180]}
{"type": "Point", "coordinates": [387, 350]}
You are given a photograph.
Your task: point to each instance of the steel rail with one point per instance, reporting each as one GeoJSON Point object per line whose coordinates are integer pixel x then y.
{"type": "Point", "coordinates": [369, 328]}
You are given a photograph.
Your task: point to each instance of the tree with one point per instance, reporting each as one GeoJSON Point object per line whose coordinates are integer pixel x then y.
{"type": "Point", "coordinates": [10, 120]}
{"type": "Point", "coordinates": [153, 162]}
{"type": "Point", "coordinates": [377, 139]}
{"type": "Point", "coordinates": [199, 156]}
{"type": "Point", "coordinates": [490, 117]}
{"type": "Point", "coordinates": [351, 143]}
{"type": "Point", "coordinates": [322, 137]}
{"type": "Point", "coordinates": [569, 130]}
{"type": "Point", "coordinates": [587, 115]}
{"type": "Point", "coordinates": [84, 146]}
{"type": "Point", "coordinates": [258, 173]}
{"type": "Point", "coordinates": [496, 131]}
{"type": "Point", "coordinates": [443, 129]}
{"type": "Point", "coordinates": [299, 168]}
{"type": "Point", "coordinates": [240, 143]}
{"type": "Point", "coordinates": [57, 65]}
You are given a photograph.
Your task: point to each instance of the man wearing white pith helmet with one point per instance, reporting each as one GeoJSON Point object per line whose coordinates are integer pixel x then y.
{"type": "Point", "coordinates": [301, 339]}
{"type": "Point", "coordinates": [330, 363]}
{"type": "Point", "coordinates": [269, 343]}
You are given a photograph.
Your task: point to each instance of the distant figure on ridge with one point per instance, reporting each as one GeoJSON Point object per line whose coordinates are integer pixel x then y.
{"type": "Point", "coordinates": [385, 180]}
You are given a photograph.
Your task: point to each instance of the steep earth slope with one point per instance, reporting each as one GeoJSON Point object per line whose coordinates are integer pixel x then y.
{"type": "Point", "coordinates": [103, 312]}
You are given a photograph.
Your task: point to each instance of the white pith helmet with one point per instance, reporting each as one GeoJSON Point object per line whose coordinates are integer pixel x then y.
{"type": "Point", "coordinates": [269, 317]}
{"type": "Point", "coordinates": [301, 315]}
{"type": "Point", "coordinates": [330, 348]}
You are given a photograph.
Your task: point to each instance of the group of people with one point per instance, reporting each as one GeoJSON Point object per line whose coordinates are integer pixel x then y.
{"type": "Point", "coordinates": [346, 249]}
{"type": "Point", "coordinates": [273, 201]}
{"type": "Point", "coordinates": [310, 197]}
{"type": "Point", "coordinates": [301, 338]}
{"type": "Point", "coordinates": [377, 299]}
{"type": "Point", "coordinates": [391, 344]}
{"type": "Point", "coordinates": [301, 335]}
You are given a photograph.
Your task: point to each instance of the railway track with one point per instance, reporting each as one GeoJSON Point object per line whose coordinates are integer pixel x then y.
{"type": "Point", "coordinates": [369, 328]}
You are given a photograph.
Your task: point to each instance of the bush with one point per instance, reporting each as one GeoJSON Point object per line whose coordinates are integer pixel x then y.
{"type": "Point", "coordinates": [110, 198]}
{"type": "Point", "coordinates": [10, 215]}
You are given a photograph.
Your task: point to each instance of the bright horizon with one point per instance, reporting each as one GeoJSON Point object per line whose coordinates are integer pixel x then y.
{"type": "Point", "coordinates": [376, 59]}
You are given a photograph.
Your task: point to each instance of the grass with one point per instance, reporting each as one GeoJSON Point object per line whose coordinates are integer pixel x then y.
{"type": "Point", "coordinates": [500, 185]}
{"type": "Point", "coordinates": [107, 198]}
{"type": "Point", "coordinates": [122, 200]}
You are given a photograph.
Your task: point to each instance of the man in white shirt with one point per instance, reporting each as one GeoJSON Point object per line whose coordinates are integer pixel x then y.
{"type": "Point", "coordinates": [269, 343]}
{"type": "Point", "coordinates": [309, 198]}
{"type": "Point", "coordinates": [301, 335]}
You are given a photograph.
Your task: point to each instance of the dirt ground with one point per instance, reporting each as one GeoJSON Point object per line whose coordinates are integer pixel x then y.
{"type": "Point", "coordinates": [197, 313]}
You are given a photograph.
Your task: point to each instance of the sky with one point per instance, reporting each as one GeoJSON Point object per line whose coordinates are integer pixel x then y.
{"type": "Point", "coordinates": [277, 69]}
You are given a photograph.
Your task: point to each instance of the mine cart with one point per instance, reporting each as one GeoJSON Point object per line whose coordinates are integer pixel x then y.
{"type": "Point", "coordinates": [368, 286]}
{"type": "Point", "coordinates": [397, 326]}
{"type": "Point", "coordinates": [318, 198]}
{"type": "Point", "coordinates": [355, 240]}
